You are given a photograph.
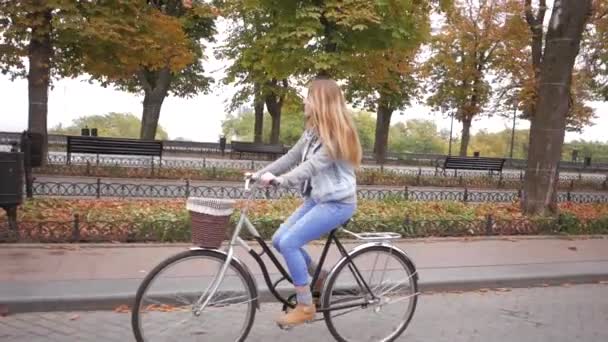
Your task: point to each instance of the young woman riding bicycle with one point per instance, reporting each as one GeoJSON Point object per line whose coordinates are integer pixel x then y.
{"type": "Point", "coordinates": [326, 157]}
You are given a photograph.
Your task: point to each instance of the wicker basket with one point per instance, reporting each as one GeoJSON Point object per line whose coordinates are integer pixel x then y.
{"type": "Point", "coordinates": [209, 219]}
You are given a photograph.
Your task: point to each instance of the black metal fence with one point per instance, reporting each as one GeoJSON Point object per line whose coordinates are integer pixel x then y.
{"type": "Point", "coordinates": [79, 230]}
{"type": "Point", "coordinates": [425, 159]}
{"type": "Point", "coordinates": [102, 189]}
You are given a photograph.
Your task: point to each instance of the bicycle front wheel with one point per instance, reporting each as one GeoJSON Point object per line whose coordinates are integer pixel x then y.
{"type": "Point", "coordinates": [371, 298]}
{"type": "Point", "coordinates": [166, 304]}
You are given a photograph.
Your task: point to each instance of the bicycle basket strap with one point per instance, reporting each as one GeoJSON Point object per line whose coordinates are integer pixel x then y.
{"type": "Point", "coordinates": [211, 206]}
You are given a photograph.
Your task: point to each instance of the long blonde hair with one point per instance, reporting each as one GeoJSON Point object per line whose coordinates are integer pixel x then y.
{"type": "Point", "coordinates": [329, 117]}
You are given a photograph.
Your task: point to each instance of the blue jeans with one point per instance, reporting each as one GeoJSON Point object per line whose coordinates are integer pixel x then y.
{"type": "Point", "coordinates": [311, 221]}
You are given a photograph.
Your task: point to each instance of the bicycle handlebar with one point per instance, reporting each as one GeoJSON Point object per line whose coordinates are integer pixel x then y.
{"type": "Point", "coordinates": [249, 179]}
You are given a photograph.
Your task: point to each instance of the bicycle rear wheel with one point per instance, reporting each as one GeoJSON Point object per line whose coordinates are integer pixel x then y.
{"type": "Point", "coordinates": [381, 315]}
{"type": "Point", "coordinates": [165, 309]}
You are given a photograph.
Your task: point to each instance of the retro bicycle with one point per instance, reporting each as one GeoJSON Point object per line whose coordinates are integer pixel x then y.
{"type": "Point", "coordinates": [208, 294]}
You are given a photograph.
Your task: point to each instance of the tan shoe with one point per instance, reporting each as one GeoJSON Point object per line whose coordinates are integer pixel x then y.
{"type": "Point", "coordinates": [300, 314]}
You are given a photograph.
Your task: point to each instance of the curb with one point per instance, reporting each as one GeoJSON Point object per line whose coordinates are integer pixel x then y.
{"type": "Point", "coordinates": [111, 302]}
{"type": "Point", "coordinates": [510, 238]}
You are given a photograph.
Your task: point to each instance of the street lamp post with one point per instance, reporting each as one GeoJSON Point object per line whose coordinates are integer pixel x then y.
{"type": "Point", "coordinates": [513, 131]}
{"type": "Point", "coordinates": [451, 129]}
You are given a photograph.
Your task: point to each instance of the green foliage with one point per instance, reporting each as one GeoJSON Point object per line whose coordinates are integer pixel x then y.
{"type": "Point", "coordinates": [416, 136]}
{"type": "Point", "coordinates": [498, 144]}
{"type": "Point", "coordinates": [240, 126]}
{"type": "Point", "coordinates": [18, 18]}
{"type": "Point", "coordinates": [119, 125]}
{"type": "Point", "coordinates": [594, 149]}
{"type": "Point", "coordinates": [366, 126]}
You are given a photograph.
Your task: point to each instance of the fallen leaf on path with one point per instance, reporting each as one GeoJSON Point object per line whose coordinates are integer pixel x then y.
{"type": "Point", "coordinates": [502, 289]}
{"type": "Point", "coordinates": [566, 285]}
{"type": "Point", "coordinates": [572, 248]}
{"type": "Point", "coordinates": [122, 309]}
{"type": "Point", "coordinates": [74, 317]}
{"type": "Point", "coordinates": [483, 290]}
{"type": "Point", "coordinates": [603, 282]}
{"type": "Point", "coordinates": [544, 285]}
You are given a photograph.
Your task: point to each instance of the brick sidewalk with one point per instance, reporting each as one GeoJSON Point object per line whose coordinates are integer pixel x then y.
{"type": "Point", "coordinates": [34, 276]}
{"type": "Point", "coordinates": [555, 314]}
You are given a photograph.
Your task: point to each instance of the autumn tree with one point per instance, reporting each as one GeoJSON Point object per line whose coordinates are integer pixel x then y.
{"type": "Point", "coordinates": [384, 82]}
{"type": "Point", "coordinates": [281, 43]}
{"type": "Point", "coordinates": [464, 57]}
{"type": "Point", "coordinates": [35, 31]}
{"type": "Point", "coordinates": [154, 47]}
{"type": "Point", "coordinates": [554, 51]}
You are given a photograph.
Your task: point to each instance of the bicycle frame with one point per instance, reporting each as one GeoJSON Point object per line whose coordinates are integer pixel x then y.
{"type": "Point", "coordinates": [236, 240]}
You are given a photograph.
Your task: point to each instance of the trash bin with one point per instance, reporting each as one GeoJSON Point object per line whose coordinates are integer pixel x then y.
{"type": "Point", "coordinates": [11, 186]}
{"type": "Point", "coordinates": [93, 132]}
{"type": "Point", "coordinates": [85, 131]}
{"type": "Point", "coordinates": [476, 154]}
{"type": "Point", "coordinates": [11, 178]}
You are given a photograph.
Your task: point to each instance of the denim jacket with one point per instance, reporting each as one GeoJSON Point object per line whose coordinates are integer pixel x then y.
{"type": "Point", "coordinates": [308, 160]}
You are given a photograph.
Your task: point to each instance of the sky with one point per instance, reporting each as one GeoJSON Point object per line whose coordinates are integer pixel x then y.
{"type": "Point", "coordinates": [199, 118]}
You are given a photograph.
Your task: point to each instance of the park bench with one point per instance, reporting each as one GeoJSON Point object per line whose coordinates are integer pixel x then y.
{"type": "Point", "coordinates": [473, 163]}
{"type": "Point", "coordinates": [241, 147]}
{"type": "Point", "coordinates": [113, 146]}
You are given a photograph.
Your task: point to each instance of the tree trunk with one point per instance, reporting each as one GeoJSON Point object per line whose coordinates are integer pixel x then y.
{"type": "Point", "coordinates": [274, 104]}
{"type": "Point", "coordinates": [274, 107]}
{"type": "Point", "coordinates": [383, 124]}
{"type": "Point", "coordinates": [549, 121]}
{"type": "Point", "coordinates": [39, 54]}
{"type": "Point", "coordinates": [156, 85]}
{"type": "Point", "coordinates": [258, 106]}
{"type": "Point", "coordinates": [466, 137]}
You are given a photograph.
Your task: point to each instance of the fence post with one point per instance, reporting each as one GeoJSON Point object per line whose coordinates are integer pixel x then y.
{"type": "Point", "coordinates": [500, 181]}
{"type": "Point", "coordinates": [407, 225]}
{"type": "Point", "coordinates": [571, 184]}
{"type": "Point", "coordinates": [252, 165]}
{"type": "Point", "coordinates": [406, 194]}
{"type": "Point", "coordinates": [489, 224]}
{"type": "Point", "coordinates": [519, 192]}
{"type": "Point", "coordinates": [466, 195]}
{"type": "Point", "coordinates": [605, 183]}
{"type": "Point", "coordinates": [187, 188]}
{"type": "Point", "coordinates": [88, 168]}
{"type": "Point", "coordinates": [418, 176]}
{"type": "Point", "coordinates": [204, 163]}
{"type": "Point", "coordinates": [461, 181]}
{"type": "Point", "coordinates": [521, 175]}
{"type": "Point", "coordinates": [213, 172]}
{"type": "Point", "coordinates": [98, 188]}
{"type": "Point", "coordinates": [76, 228]}
{"type": "Point", "coordinates": [568, 196]}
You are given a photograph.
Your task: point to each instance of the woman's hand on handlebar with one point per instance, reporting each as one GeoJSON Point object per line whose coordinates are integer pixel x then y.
{"type": "Point", "coordinates": [268, 179]}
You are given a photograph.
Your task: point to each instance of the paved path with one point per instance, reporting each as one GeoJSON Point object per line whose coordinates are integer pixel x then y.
{"type": "Point", "coordinates": [554, 314]}
{"type": "Point", "coordinates": [245, 164]}
{"type": "Point", "coordinates": [40, 277]}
